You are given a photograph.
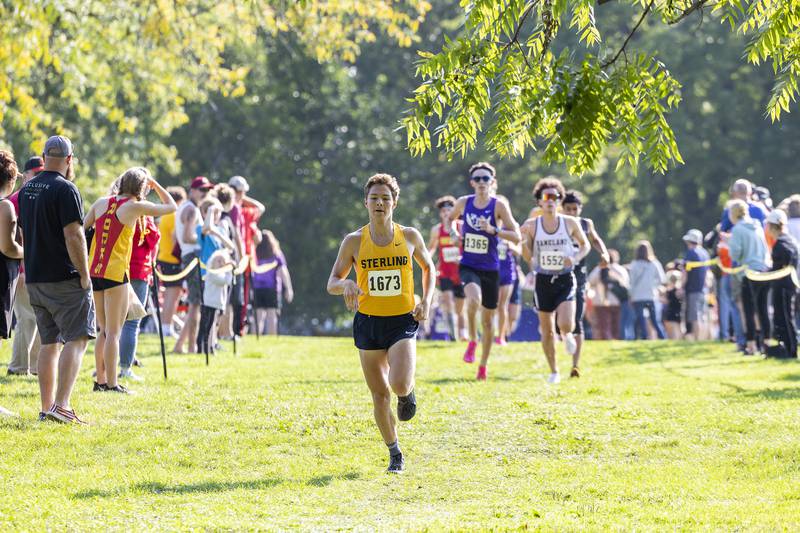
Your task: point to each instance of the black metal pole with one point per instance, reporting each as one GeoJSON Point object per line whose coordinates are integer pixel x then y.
{"type": "Point", "coordinates": [158, 319]}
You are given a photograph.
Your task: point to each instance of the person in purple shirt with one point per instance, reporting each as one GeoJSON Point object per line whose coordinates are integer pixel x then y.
{"type": "Point", "coordinates": [269, 282]}
{"type": "Point", "coordinates": [480, 264]}
{"type": "Point", "coordinates": [742, 190]}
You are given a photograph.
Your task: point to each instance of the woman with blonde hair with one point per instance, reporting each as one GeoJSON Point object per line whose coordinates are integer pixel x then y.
{"type": "Point", "coordinates": [748, 248]}
{"type": "Point", "coordinates": [114, 218]}
{"type": "Point", "coordinates": [647, 276]}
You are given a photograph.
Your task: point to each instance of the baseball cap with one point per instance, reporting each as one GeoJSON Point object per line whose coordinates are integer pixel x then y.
{"type": "Point", "coordinates": [201, 182]}
{"type": "Point", "coordinates": [57, 146]}
{"type": "Point", "coordinates": [694, 235]}
{"type": "Point", "coordinates": [762, 193]}
{"type": "Point", "coordinates": [777, 217]}
{"type": "Point", "coordinates": [34, 163]}
{"type": "Point", "coordinates": [239, 184]}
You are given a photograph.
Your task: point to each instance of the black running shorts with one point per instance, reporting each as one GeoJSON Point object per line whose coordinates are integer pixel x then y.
{"type": "Point", "coordinates": [550, 291]}
{"type": "Point", "coordinates": [381, 332]}
{"type": "Point", "coordinates": [170, 269]}
{"type": "Point", "coordinates": [487, 280]}
{"type": "Point", "coordinates": [516, 294]}
{"type": "Point", "coordinates": [580, 308]}
{"type": "Point", "coordinates": [447, 284]}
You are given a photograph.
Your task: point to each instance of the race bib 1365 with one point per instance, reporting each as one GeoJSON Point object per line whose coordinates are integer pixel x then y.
{"type": "Point", "coordinates": [476, 244]}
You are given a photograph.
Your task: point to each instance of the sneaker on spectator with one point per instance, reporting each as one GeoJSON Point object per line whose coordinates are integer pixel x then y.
{"type": "Point", "coordinates": [64, 416]}
{"type": "Point", "coordinates": [136, 362]}
{"type": "Point", "coordinates": [127, 373]}
{"type": "Point", "coordinates": [554, 378]}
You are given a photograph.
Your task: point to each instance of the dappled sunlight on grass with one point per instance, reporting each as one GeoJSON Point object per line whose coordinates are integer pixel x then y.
{"type": "Point", "coordinates": [653, 436]}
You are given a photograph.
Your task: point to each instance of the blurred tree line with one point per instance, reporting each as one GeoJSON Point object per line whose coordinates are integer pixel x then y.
{"type": "Point", "coordinates": [307, 135]}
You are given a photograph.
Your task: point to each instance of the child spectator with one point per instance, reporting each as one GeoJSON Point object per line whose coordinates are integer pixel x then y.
{"type": "Point", "coordinates": [215, 297]}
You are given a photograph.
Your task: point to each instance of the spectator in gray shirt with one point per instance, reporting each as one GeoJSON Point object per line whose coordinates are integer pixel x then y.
{"type": "Point", "coordinates": [647, 276]}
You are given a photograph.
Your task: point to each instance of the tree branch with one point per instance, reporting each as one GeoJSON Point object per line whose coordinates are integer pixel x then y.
{"type": "Point", "coordinates": [697, 4]}
{"type": "Point", "coordinates": [630, 35]}
{"type": "Point", "coordinates": [515, 37]}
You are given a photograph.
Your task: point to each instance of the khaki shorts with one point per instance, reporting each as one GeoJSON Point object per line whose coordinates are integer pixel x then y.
{"type": "Point", "coordinates": [64, 311]}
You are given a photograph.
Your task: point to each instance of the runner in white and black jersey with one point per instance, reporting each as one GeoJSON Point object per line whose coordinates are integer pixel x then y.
{"type": "Point", "coordinates": [549, 245]}
{"type": "Point", "coordinates": [572, 205]}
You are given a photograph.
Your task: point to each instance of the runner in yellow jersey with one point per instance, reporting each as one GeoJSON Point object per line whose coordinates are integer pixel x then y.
{"type": "Point", "coordinates": [387, 319]}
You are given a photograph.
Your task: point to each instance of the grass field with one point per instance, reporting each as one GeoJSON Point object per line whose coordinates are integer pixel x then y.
{"type": "Point", "coordinates": [654, 436]}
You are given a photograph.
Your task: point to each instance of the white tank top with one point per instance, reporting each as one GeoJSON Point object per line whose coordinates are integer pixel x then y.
{"type": "Point", "coordinates": [186, 247]}
{"type": "Point", "coordinates": [550, 249]}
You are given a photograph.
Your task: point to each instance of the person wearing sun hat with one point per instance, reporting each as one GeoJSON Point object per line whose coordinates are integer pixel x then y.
{"type": "Point", "coordinates": [694, 284]}
{"type": "Point", "coordinates": [187, 219]}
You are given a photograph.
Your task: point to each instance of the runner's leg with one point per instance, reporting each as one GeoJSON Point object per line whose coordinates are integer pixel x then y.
{"type": "Point", "coordinates": [375, 365]}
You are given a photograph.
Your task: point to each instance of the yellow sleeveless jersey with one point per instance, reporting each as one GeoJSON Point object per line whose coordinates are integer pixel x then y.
{"type": "Point", "coordinates": [111, 249]}
{"type": "Point", "coordinates": [385, 275]}
{"type": "Point", "coordinates": [167, 227]}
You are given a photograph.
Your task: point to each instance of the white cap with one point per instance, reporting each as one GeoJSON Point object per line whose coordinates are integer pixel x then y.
{"type": "Point", "coordinates": [239, 184]}
{"type": "Point", "coordinates": [694, 235]}
{"type": "Point", "coordinates": [777, 217]}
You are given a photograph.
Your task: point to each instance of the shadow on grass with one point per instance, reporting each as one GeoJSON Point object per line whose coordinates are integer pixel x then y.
{"type": "Point", "coordinates": [156, 487]}
{"type": "Point", "coordinates": [740, 393]}
{"type": "Point", "coordinates": [623, 352]}
{"type": "Point", "coordinates": [450, 381]}
{"type": "Point", "coordinates": [324, 481]}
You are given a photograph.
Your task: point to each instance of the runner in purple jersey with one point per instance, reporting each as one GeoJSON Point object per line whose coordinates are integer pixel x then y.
{"type": "Point", "coordinates": [479, 269]}
{"type": "Point", "coordinates": [509, 294]}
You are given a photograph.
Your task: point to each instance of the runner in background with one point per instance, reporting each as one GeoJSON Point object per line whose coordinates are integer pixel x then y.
{"type": "Point", "coordinates": [445, 238]}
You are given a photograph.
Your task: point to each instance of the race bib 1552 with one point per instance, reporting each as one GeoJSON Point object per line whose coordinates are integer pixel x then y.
{"type": "Point", "coordinates": [384, 283]}
{"type": "Point", "coordinates": [551, 260]}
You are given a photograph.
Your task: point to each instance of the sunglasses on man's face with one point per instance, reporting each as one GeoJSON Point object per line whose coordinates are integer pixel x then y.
{"type": "Point", "coordinates": [482, 177]}
{"type": "Point", "coordinates": [550, 196]}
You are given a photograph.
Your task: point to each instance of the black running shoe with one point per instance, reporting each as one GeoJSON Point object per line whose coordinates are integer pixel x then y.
{"type": "Point", "coordinates": [119, 388]}
{"type": "Point", "coordinates": [406, 406]}
{"type": "Point", "coordinates": [99, 388]}
{"type": "Point", "coordinates": [42, 416]}
{"type": "Point", "coordinates": [396, 464]}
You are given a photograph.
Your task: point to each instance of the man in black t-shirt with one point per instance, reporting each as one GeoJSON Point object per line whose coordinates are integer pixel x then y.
{"type": "Point", "coordinates": [57, 276]}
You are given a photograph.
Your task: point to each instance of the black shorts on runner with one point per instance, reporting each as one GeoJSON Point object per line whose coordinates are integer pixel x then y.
{"type": "Point", "coordinates": [266, 299]}
{"type": "Point", "coordinates": [381, 332]}
{"type": "Point", "coordinates": [550, 291]}
{"type": "Point", "coordinates": [487, 280]}
{"type": "Point", "coordinates": [103, 284]}
{"type": "Point", "coordinates": [580, 308]}
{"type": "Point", "coordinates": [516, 293]}
{"type": "Point", "coordinates": [169, 269]}
{"type": "Point", "coordinates": [447, 284]}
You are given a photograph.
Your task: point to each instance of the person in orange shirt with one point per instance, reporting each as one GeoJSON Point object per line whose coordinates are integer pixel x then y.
{"type": "Point", "coordinates": [727, 288]}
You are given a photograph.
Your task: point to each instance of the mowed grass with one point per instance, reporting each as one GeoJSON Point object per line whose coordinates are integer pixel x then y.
{"type": "Point", "coordinates": [653, 436]}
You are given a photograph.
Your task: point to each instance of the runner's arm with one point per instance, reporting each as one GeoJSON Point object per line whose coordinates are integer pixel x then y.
{"type": "Point", "coordinates": [189, 227]}
{"type": "Point", "coordinates": [252, 202]}
{"type": "Point", "coordinates": [286, 278]}
{"type": "Point", "coordinates": [75, 240]}
{"type": "Point", "coordinates": [577, 234]}
{"type": "Point", "coordinates": [510, 231]}
{"type": "Point", "coordinates": [8, 242]}
{"type": "Point", "coordinates": [433, 239]}
{"type": "Point", "coordinates": [88, 220]}
{"type": "Point", "coordinates": [338, 283]}
{"type": "Point", "coordinates": [527, 238]}
{"type": "Point", "coordinates": [423, 259]}
{"type": "Point", "coordinates": [167, 205]}
{"type": "Point", "coordinates": [597, 242]}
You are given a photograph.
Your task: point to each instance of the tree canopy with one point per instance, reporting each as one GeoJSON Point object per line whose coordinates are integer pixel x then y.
{"type": "Point", "coordinates": [542, 74]}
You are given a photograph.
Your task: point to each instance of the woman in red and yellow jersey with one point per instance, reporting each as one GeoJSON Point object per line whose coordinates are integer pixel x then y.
{"type": "Point", "coordinates": [387, 318]}
{"type": "Point", "coordinates": [114, 218]}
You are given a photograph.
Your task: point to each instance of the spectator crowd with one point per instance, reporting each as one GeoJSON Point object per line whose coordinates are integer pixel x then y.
{"type": "Point", "coordinates": [71, 275]}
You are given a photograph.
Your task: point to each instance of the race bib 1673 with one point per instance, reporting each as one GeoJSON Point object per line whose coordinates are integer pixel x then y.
{"type": "Point", "coordinates": [384, 283]}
